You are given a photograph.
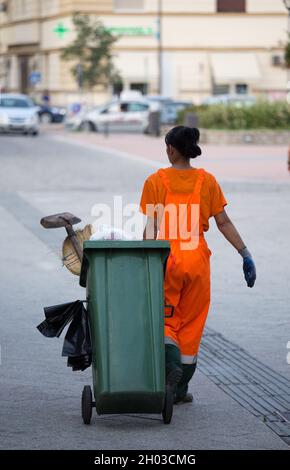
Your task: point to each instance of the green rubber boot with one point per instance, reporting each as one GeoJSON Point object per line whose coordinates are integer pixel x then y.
{"type": "Point", "coordinates": [173, 367]}
{"type": "Point", "coordinates": [181, 395]}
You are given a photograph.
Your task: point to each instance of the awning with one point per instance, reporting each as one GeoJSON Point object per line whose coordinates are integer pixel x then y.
{"type": "Point", "coordinates": [240, 67]}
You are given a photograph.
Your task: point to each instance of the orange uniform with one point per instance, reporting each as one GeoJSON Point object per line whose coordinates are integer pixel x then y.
{"type": "Point", "coordinates": [187, 278]}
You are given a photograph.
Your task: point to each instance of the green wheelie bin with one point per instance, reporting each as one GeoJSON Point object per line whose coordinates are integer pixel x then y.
{"type": "Point", "coordinates": [124, 285]}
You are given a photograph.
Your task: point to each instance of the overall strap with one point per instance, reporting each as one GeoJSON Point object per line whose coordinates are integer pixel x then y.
{"type": "Point", "coordinates": [198, 184]}
{"type": "Point", "coordinates": [165, 180]}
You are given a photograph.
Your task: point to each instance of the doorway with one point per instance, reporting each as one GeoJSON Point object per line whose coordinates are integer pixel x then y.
{"type": "Point", "coordinates": [23, 67]}
{"type": "Point", "coordinates": [142, 87]}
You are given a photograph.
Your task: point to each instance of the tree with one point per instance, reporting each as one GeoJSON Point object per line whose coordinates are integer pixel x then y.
{"type": "Point", "coordinates": [92, 51]}
{"type": "Point", "coordinates": [287, 53]}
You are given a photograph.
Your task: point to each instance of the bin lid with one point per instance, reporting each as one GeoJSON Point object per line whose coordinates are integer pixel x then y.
{"type": "Point", "coordinates": [127, 244]}
{"type": "Point", "coordinates": [90, 245]}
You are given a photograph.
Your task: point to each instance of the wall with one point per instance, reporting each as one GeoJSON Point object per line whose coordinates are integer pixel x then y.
{"type": "Point", "coordinates": [23, 9]}
{"type": "Point", "coordinates": [188, 42]}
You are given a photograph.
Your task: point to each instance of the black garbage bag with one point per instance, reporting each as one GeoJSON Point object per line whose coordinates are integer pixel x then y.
{"type": "Point", "coordinates": [77, 342]}
{"type": "Point", "coordinates": [79, 363]}
{"type": "Point", "coordinates": [57, 317]}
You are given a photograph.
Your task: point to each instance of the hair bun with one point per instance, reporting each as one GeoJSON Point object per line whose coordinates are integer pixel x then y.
{"type": "Point", "coordinates": [195, 133]}
{"type": "Point", "coordinates": [192, 150]}
{"type": "Point", "coordinates": [197, 151]}
{"type": "Point", "coordinates": [185, 140]}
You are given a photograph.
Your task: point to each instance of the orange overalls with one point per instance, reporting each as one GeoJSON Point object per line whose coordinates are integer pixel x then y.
{"type": "Point", "coordinates": [187, 278]}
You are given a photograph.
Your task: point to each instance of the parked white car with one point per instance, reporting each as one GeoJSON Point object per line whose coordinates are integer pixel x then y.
{"type": "Point", "coordinates": [18, 114]}
{"type": "Point", "coordinates": [130, 115]}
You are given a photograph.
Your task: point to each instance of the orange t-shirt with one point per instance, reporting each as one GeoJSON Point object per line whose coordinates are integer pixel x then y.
{"type": "Point", "coordinates": [212, 200]}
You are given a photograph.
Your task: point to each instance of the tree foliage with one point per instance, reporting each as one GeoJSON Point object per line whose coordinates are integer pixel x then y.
{"type": "Point", "coordinates": [91, 50]}
{"type": "Point", "coordinates": [287, 53]}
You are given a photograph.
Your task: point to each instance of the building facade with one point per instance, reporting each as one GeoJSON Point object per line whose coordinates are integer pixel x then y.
{"type": "Point", "coordinates": [202, 47]}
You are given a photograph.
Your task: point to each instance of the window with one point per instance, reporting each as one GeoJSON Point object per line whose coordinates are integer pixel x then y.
{"type": "Point", "coordinates": [128, 4]}
{"type": "Point", "coordinates": [142, 87]}
{"type": "Point", "coordinates": [18, 8]}
{"type": "Point", "coordinates": [112, 109]}
{"type": "Point", "coordinates": [137, 107]}
{"type": "Point", "coordinates": [3, 7]}
{"type": "Point", "coordinates": [277, 60]}
{"type": "Point", "coordinates": [241, 88]}
{"type": "Point", "coordinates": [124, 107]}
{"type": "Point", "coordinates": [15, 103]}
{"type": "Point", "coordinates": [49, 7]}
{"type": "Point", "coordinates": [231, 6]}
{"type": "Point", "coordinates": [220, 89]}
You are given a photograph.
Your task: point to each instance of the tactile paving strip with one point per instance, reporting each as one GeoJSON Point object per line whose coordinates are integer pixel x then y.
{"type": "Point", "coordinates": [255, 386]}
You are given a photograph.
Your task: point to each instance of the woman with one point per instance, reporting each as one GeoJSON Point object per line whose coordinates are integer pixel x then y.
{"type": "Point", "coordinates": [178, 202]}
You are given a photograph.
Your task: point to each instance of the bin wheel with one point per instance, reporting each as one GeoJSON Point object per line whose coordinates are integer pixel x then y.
{"type": "Point", "coordinates": [87, 404]}
{"type": "Point", "coordinates": [168, 405]}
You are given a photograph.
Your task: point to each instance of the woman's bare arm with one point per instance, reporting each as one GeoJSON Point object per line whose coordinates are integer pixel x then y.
{"type": "Point", "coordinates": [229, 231]}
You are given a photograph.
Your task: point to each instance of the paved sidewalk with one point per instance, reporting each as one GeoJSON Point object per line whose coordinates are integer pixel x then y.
{"type": "Point", "coordinates": [237, 163]}
{"type": "Point", "coordinates": [256, 183]}
{"type": "Point", "coordinates": [40, 396]}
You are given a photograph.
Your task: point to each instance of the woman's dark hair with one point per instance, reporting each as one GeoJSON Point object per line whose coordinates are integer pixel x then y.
{"type": "Point", "coordinates": [185, 140]}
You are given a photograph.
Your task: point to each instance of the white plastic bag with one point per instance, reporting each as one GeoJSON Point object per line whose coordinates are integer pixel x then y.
{"type": "Point", "coordinates": [106, 232]}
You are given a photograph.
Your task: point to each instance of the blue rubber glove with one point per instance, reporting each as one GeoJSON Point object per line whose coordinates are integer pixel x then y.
{"type": "Point", "coordinates": [248, 267]}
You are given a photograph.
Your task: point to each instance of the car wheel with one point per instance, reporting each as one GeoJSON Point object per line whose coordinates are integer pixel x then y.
{"type": "Point", "coordinates": [46, 118]}
{"type": "Point", "coordinates": [87, 404]}
{"type": "Point", "coordinates": [168, 406]}
{"type": "Point", "coordinates": [35, 133]}
{"type": "Point", "coordinates": [87, 126]}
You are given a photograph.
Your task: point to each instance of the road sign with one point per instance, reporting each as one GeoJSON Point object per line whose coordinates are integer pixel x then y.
{"type": "Point", "coordinates": [34, 78]}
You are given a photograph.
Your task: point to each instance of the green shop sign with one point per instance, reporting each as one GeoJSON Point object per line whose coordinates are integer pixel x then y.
{"type": "Point", "coordinates": [130, 30]}
{"type": "Point", "coordinates": [60, 30]}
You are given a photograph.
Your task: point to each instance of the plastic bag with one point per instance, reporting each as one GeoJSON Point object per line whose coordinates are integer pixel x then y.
{"type": "Point", "coordinates": [57, 317]}
{"type": "Point", "coordinates": [77, 341]}
{"type": "Point", "coordinates": [106, 232]}
{"type": "Point", "coordinates": [79, 363]}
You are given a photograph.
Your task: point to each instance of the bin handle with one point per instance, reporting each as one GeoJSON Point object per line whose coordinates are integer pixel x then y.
{"type": "Point", "coordinates": [172, 311]}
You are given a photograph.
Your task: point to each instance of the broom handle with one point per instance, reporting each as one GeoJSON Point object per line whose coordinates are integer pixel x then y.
{"type": "Point", "coordinates": [72, 236]}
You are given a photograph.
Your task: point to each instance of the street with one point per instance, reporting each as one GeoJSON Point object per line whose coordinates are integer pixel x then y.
{"type": "Point", "coordinates": [40, 396]}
